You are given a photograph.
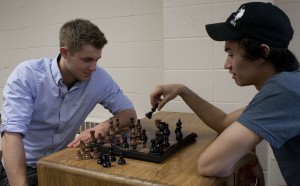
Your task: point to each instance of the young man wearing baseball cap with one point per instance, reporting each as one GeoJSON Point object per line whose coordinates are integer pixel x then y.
{"type": "Point", "coordinates": [256, 39]}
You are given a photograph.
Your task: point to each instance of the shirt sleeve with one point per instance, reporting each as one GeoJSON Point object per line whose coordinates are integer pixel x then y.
{"type": "Point", "coordinates": [17, 101]}
{"type": "Point", "coordinates": [111, 97]}
{"type": "Point", "coordinates": [273, 114]}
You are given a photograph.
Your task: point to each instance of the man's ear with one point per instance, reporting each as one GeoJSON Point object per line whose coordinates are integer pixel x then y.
{"type": "Point", "coordinates": [266, 50]}
{"type": "Point", "coordinates": [63, 52]}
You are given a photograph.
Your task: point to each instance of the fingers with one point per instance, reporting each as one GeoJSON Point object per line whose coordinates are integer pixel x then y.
{"type": "Point", "coordinates": [157, 97]}
{"type": "Point", "coordinates": [84, 136]}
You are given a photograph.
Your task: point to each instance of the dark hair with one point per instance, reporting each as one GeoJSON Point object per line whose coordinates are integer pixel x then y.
{"type": "Point", "coordinates": [78, 32]}
{"type": "Point", "coordinates": [282, 58]}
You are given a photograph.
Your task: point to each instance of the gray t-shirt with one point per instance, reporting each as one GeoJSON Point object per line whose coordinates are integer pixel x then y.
{"type": "Point", "coordinates": [274, 115]}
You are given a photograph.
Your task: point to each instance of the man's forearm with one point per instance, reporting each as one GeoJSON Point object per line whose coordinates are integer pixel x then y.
{"type": "Point", "coordinates": [208, 113]}
{"type": "Point", "coordinates": [14, 158]}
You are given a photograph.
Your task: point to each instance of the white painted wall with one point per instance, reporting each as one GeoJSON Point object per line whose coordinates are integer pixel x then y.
{"type": "Point", "coordinates": [150, 42]}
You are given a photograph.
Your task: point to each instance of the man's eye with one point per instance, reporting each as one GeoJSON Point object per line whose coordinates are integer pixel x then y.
{"type": "Point", "coordinates": [87, 60]}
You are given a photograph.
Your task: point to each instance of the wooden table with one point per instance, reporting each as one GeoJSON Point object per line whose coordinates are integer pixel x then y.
{"type": "Point", "coordinates": [62, 168]}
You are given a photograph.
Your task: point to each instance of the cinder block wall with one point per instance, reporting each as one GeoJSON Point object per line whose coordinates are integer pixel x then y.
{"type": "Point", "coordinates": [134, 29]}
{"type": "Point", "coordinates": [150, 42]}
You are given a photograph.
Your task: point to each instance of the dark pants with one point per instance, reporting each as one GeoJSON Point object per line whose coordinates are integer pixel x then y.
{"type": "Point", "coordinates": [31, 176]}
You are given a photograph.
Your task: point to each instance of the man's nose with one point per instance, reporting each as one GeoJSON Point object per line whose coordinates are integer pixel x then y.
{"type": "Point", "coordinates": [92, 66]}
{"type": "Point", "coordinates": [227, 64]}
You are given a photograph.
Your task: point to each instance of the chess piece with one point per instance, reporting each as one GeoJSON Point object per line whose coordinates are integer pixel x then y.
{"type": "Point", "coordinates": [107, 138]}
{"type": "Point", "coordinates": [95, 153]}
{"type": "Point", "coordinates": [133, 141]}
{"type": "Point", "coordinates": [121, 161]}
{"type": "Point", "coordinates": [87, 152]}
{"type": "Point", "coordinates": [79, 155]}
{"type": "Point", "coordinates": [138, 131]}
{"type": "Point", "coordinates": [178, 132]}
{"type": "Point", "coordinates": [153, 109]}
{"type": "Point", "coordinates": [93, 138]}
{"type": "Point", "coordinates": [106, 163]}
{"type": "Point", "coordinates": [100, 158]}
{"type": "Point", "coordinates": [153, 146]}
{"type": "Point", "coordinates": [117, 129]}
{"type": "Point", "coordinates": [118, 135]}
{"type": "Point", "coordinates": [111, 128]}
{"type": "Point", "coordinates": [159, 143]}
{"type": "Point", "coordinates": [111, 155]}
{"type": "Point", "coordinates": [166, 130]}
{"type": "Point", "coordinates": [82, 145]}
{"type": "Point", "coordinates": [144, 138]}
{"type": "Point", "coordinates": [157, 122]}
{"type": "Point", "coordinates": [100, 139]}
{"type": "Point", "coordinates": [124, 143]}
{"type": "Point", "coordinates": [165, 142]}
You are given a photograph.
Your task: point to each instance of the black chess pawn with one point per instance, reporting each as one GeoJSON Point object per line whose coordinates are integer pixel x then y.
{"type": "Point", "coordinates": [106, 163]}
{"type": "Point", "coordinates": [121, 161]}
{"type": "Point", "coordinates": [100, 158]}
{"type": "Point", "coordinates": [165, 142]}
{"type": "Point", "coordinates": [144, 138]}
{"type": "Point", "coordinates": [159, 143]}
{"type": "Point", "coordinates": [111, 155]}
{"type": "Point", "coordinates": [153, 148]}
{"type": "Point", "coordinates": [166, 130]}
{"type": "Point", "coordinates": [153, 109]}
{"type": "Point", "coordinates": [178, 132]}
{"type": "Point", "coordinates": [124, 143]}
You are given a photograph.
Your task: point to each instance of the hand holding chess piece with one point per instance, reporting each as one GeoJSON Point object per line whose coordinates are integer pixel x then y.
{"type": "Point", "coordinates": [153, 109]}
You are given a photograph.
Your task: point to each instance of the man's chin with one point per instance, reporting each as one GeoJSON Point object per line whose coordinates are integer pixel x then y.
{"type": "Point", "coordinates": [84, 79]}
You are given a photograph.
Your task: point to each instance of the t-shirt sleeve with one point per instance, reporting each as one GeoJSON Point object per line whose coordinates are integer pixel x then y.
{"type": "Point", "coordinates": [273, 114]}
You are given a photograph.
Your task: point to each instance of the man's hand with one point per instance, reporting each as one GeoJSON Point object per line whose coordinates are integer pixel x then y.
{"type": "Point", "coordinates": [162, 94]}
{"type": "Point", "coordinates": [86, 135]}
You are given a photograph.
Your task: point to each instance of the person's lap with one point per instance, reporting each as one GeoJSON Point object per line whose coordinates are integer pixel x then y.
{"type": "Point", "coordinates": [31, 176]}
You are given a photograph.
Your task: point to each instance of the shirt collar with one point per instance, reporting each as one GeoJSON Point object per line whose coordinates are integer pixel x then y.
{"type": "Point", "coordinates": [55, 69]}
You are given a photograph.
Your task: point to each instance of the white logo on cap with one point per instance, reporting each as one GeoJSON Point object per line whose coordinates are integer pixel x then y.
{"type": "Point", "coordinates": [240, 14]}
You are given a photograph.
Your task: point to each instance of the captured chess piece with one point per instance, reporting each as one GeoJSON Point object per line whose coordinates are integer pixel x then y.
{"type": "Point", "coordinates": [121, 161]}
{"type": "Point", "coordinates": [153, 109]}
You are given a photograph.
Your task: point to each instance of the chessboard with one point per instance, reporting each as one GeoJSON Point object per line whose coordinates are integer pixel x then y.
{"type": "Point", "coordinates": [153, 145]}
{"type": "Point", "coordinates": [136, 142]}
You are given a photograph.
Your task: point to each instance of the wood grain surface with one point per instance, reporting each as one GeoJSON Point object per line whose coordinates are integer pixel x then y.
{"type": "Point", "coordinates": [62, 168]}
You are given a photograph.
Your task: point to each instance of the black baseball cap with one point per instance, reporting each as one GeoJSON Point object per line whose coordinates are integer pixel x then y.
{"type": "Point", "coordinates": [260, 21]}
